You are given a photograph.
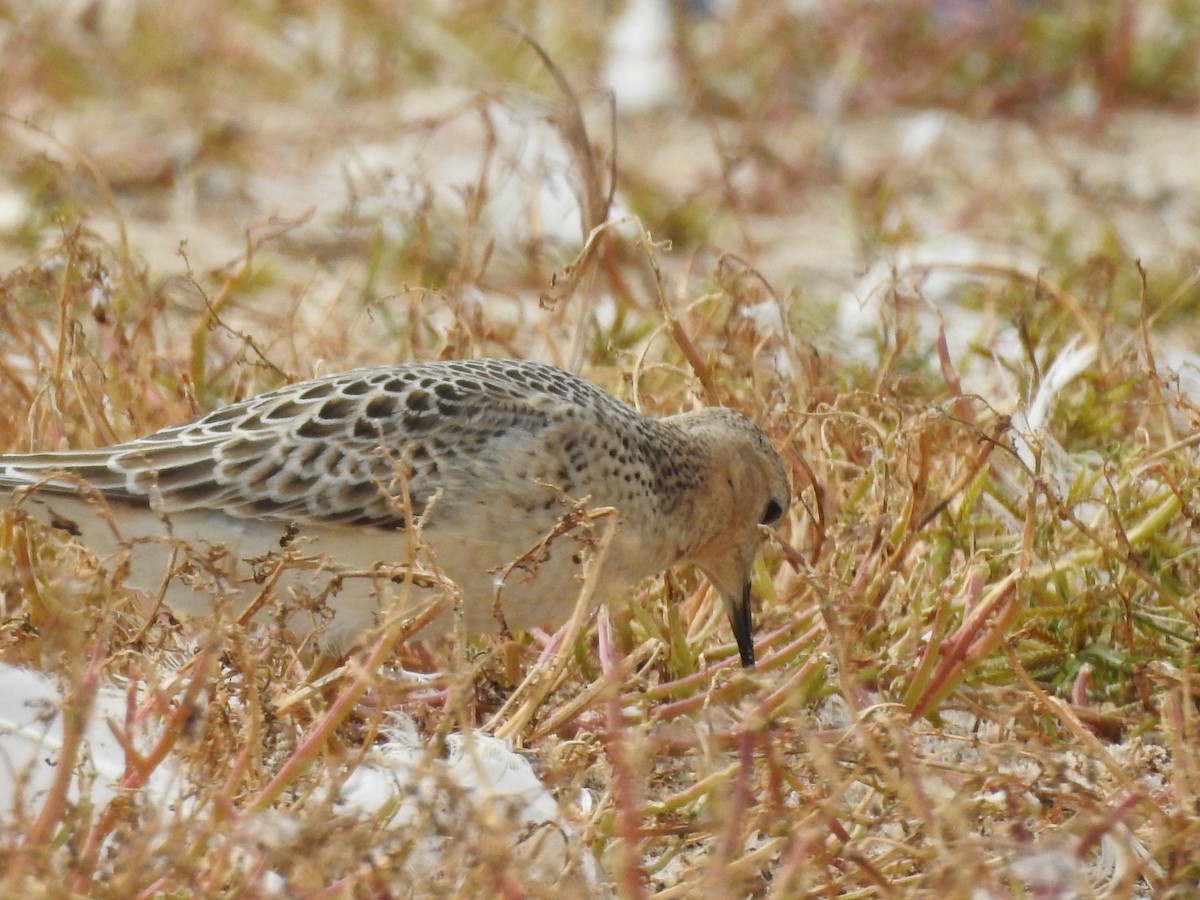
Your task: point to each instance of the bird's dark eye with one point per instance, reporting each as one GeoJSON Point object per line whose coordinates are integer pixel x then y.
{"type": "Point", "coordinates": [772, 513]}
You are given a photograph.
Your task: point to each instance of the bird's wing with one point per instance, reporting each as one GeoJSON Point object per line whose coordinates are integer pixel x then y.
{"type": "Point", "coordinates": [344, 449]}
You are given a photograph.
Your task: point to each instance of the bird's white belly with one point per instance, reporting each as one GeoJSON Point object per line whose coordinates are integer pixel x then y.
{"type": "Point", "coordinates": [337, 582]}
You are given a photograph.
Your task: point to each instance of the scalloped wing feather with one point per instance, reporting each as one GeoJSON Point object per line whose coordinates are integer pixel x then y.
{"type": "Point", "coordinates": [361, 447]}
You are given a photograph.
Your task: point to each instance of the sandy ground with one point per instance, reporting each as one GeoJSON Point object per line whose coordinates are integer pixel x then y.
{"type": "Point", "coordinates": [842, 194]}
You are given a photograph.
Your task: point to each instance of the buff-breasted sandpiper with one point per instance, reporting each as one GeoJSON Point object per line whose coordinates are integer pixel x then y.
{"type": "Point", "coordinates": [310, 491]}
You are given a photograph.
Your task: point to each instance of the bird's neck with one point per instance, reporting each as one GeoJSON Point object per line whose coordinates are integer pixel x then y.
{"type": "Point", "coordinates": [682, 467]}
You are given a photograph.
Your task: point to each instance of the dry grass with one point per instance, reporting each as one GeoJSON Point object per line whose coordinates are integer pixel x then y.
{"type": "Point", "coordinates": [975, 638]}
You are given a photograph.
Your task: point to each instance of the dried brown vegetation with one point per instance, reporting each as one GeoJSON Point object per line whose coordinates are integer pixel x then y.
{"type": "Point", "coordinates": [976, 635]}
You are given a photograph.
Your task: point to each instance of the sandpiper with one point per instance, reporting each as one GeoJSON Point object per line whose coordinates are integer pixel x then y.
{"type": "Point", "coordinates": [462, 478]}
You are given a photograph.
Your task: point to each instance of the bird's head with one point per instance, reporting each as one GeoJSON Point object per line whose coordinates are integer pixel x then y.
{"type": "Point", "coordinates": [744, 487]}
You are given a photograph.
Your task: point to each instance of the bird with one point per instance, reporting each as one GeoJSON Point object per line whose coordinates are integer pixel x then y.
{"type": "Point", "coordinates": [350, 493]}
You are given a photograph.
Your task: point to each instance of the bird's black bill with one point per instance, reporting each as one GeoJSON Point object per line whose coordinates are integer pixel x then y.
{"type": "Point", "coordinates": [743, 628]}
